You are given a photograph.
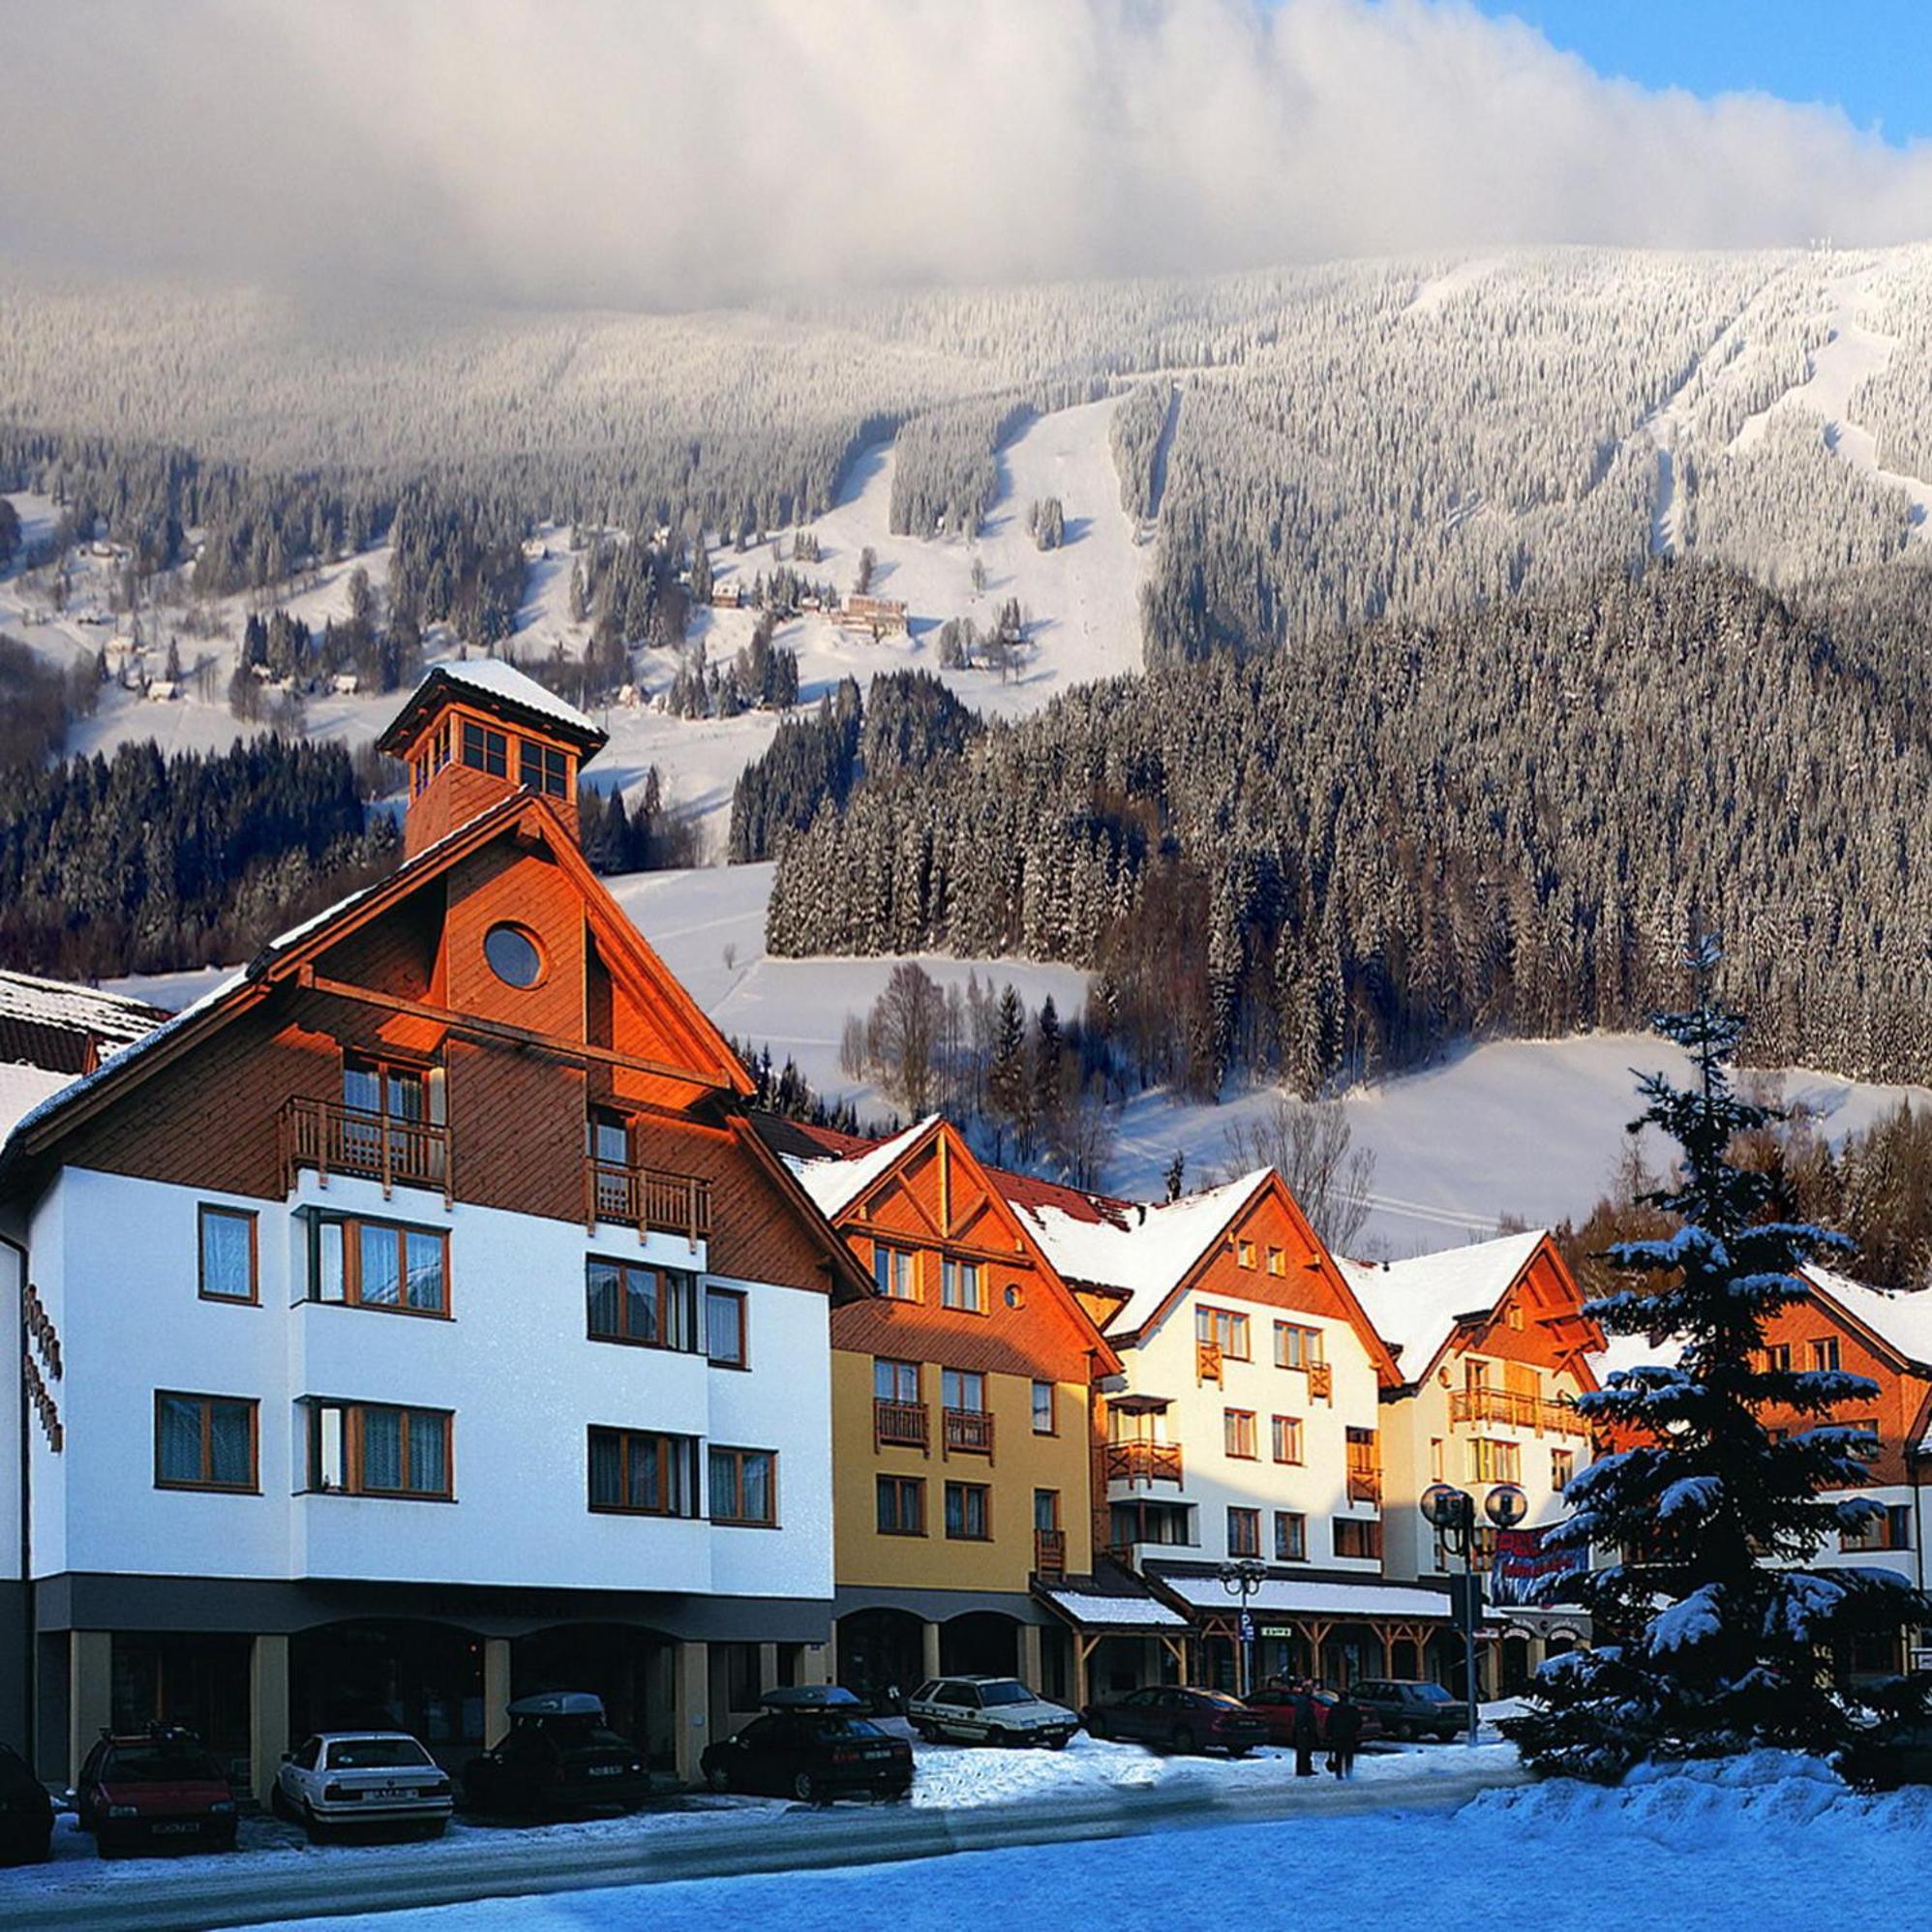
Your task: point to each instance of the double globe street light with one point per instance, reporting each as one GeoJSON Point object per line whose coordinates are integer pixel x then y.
{"type": "Point", "coordinates": [1452, 1514]}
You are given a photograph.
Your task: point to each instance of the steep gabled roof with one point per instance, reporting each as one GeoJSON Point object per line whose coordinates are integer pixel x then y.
{"type": "Point", "coordinates": [67, 1029]}
{"type": "Point", "coordinates": [1901, 1321]}
{"type": "Point", "coordinates": [711, 1064]}
{"type": "Point", "coordinates": [1417, 1305]}
{"type": "Point", "coordinates": [837, 1180]}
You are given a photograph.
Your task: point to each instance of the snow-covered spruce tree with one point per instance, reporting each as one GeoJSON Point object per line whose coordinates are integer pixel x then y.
{"type": "Point", "coordinates": [1715, 1632]}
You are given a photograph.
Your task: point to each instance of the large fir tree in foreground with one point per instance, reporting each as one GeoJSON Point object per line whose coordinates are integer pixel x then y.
{"type": "Point", "coordinates": [1713, 1634]}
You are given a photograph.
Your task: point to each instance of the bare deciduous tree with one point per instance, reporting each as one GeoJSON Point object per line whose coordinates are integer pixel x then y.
{"type": "Point", "coordinates": [1309, 1143]}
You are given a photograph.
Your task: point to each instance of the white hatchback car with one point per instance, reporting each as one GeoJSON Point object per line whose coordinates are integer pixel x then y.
{"type": "Point", "coordinates": [988, 1710]}
{"type": "Point", "coordinates": [363, 1777]}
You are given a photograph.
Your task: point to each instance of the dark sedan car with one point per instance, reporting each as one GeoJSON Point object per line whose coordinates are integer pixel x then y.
{"type": "Point", "coordinates": [1177, 1717]}
{"type": "Point", "coordinates": [1411, 1709]}
{"type": "Point", "coordinates": [558, 1755]}
{"type": "Point", "coordinates": [815, 1744]}
{"type": "Point", "coordinates": [27, 1813]}
{"type": "Point", "coordinates": [1277, 1706]}
{"type": "Point", "coordinates": [162, 1790]}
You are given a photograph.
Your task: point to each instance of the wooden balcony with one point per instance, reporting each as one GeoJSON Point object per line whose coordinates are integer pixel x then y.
{"type": "Point", "coordinates": [1207, 1362]}
{"type": "Point", "coordinates": [1365, 1486]}
{"type": "Point", "coordinates": [1516, 1411]}
{"type": "Point", "coordinates": [646, 1198]}
{"type": "Point", "coordinates": [1050, 1554]}
{"type": "Point", "coordinates": [1321, 1381]}
{"type": "Point", "coordinates": [335, 1139]}
{"type": "Point", "coordinates": [967, 1432]}
{"type": "Point", "coordinates": [901, 1425]}
{"type": "Point", "coordinates": [1137, 1462]}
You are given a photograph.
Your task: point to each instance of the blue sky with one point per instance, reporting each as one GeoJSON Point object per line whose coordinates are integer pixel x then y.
{"type": "Point", "coordinates": [1873, 58]}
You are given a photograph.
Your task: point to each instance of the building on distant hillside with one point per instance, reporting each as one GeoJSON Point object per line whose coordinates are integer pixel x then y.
{"type": "Point", "coordinates": [1493, 1343]}
{"type": "Point", "coordinates": [67, 1029]}
{"type": "Point", "coordinates": [874, 616]}
{"type": "Point", "coordinates": [417, 1320]}
{"type": "Point", "coordinates": [961, 1418]}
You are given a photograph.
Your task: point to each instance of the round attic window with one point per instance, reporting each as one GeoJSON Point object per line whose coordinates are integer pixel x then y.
{"type": "Point", "coordinates": [1015, 1297]}
{"type": "Point", "coordinates": [512, 955]}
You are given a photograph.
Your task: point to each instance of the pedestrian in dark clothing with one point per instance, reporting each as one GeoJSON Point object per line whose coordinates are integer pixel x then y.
{"type": "Point", "coordinates": [1307, 1733]}
{"type": "Point", "coordinates": [1344, 1732]}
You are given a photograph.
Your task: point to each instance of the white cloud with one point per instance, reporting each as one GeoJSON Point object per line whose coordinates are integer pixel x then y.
{"type": "Point", "coordinates": [681, 151]}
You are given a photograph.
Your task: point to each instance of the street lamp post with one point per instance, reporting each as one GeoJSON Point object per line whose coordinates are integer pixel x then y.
{"type": "Point", "coordinates": [1242, 1578]}
{"type": "Point", "coordinates": [1453, 1513]}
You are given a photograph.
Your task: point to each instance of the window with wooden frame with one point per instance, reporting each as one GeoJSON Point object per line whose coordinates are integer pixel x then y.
{"type": "Point", "coordinates": [901, 1505]}
{"type": "Point", "coordinates": [379, 1449]}
{"type": "Point", "coordinates": [743, 1486]}
{"type": "Point", "coordinates": [543, 768]}
{"type": "Point", "coordinates": [1244, 1255]}
{"type": "Point", "coordinates": [1237, 1434]}
{"type": "Point", "coordinates": [403, 1091]}
{"type": "Point", "coordinates": [207, 1442]}
{"type": "Point", "coordinates": [1359, 1538]}
{"type": "Point", "coordinates": [1562, 1468]}
{"type": "Point", "coordinates": [1277, 1262]}
{"type": "Point", "coordinates": [229, 1255]}
{"type": "Point", "coordinates": [1244, 1532]}
{"type": "Point", "coordinates": [1514, 1316]}
{"type": "Point", "coordinates": [1287, 1431]}
{"type": "Point", "coordinates": [1297, 1346]}
{"type": "Point", "coordinates": [962, 1389]}
{"type": "Point", "coordinates": [1777, 1357]}
{"type": "Point", "coordinates": [1044, 1421]}
{"type": "Point", "coordinates": [642, 1472]}
{"type": "Point", "coordinates": [968, 1512]}
{"type": "Point", "coordinates": [379, 1264]}
{"type": "Point", "coordinates": [893, 1274]}
{"type": "Point", "coordinates": [1226, 1328]}
{"type": "Point", "coordinates": [1494, 1462]}
{"type": "Point", "coordinates": [895, 1382]}
{"type": "Point", "coordinates": [725, 1328]}
{"type": "Point", "coordinates": [962, 1286]}
{"type": "Point", "coordinates": [1438, 1459]}
{"type": "Point", "coordinates": [1291, 1536]}
{"type": "Point", "coordinates": [644, 1306]}
{"type": "Point", "coordinates": [1824, 1352]}
{"type": "Point", "coordinates": [485, 749]}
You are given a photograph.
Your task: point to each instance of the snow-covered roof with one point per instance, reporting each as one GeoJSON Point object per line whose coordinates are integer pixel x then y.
{"type": "Point", "coordinates": [1294, 1596]}
{"type": "Point", "coordinates": [1138, 1612]}
{"type": "Point", "coordinates": [1145, 1254]}
{"type": "Point", "coordinates": [1415, 1305]}
{"type": "Point", "coordinates": [24, 1087]}
{"type": "Point", "coordinates": [110, 1018]}
{"type": "Point", "coordinates": [499, 679]}
{"type": "Point", "coordinates": [1635, 1352]}
{"type": "Point", "coordinates": [835, 1182]}
{"type": "Point", "coordinates": [1902, 1320]}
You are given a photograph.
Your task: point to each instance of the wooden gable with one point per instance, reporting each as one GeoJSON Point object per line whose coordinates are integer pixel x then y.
{"type": "Point", "coordinates": [937, 1201]}
{"type": "Point", "coordinates": [1904, 1396]}
{"type": "Point", "coordinates": [1537, 1323]}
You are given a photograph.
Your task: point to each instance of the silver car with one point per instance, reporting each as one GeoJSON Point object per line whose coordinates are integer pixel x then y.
{"type": "Point", "coordinates": [988, 1710]}
{"type": "Point", "coordinates": [363, 1777]}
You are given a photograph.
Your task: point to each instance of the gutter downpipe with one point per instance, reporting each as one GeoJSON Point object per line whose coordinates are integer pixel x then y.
{"type": "Point", "coordinates": [29, 1648]}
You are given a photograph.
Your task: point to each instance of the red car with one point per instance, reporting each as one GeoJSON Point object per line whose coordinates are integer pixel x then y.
{"type": "Point", "coordinates": [1178, 1717]}
{"type": "Point", "coordinates": [1277, 1706]}
{"type": "Point", "coordinates": [161, 1791]}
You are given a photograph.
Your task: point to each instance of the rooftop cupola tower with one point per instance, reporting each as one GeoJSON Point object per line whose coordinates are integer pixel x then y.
{"type": "Point", "coordinates": [472, 734]}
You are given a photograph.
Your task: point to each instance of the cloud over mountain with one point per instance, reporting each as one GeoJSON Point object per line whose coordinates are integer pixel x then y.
{"type": "Point", "coordinates": [659, 152]}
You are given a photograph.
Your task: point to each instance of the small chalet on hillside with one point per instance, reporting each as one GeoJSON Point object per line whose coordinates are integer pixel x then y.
{"type": "Point", "coordinates": [417, 1320]}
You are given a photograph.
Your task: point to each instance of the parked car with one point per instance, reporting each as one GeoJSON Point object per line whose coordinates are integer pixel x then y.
{"type": "Point", "coordinates": [1178, 1717]}
{"type": "Point", "coordinates": [1409, 1708]}
{"type": "Point", "coordinates": [559, 1755]}
{"type": "Point", "coordinates": [27, 1813]}
{"type": "Point", "coordinates": [1276, 1705]}
{"type": "Point", "coordinates": [988, 1710]}
{"type": "Point", "coordinates": [1890, 1758]}
{"type": "Point", "coordinates": [813, 1742]}
{"type": "Point", "coordinates": [363, 1777]}
{"type": "Point", "coordinates": [161, 1789]}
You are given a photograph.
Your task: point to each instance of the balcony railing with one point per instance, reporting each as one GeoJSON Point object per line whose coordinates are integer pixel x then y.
{"type": "Point", "coordinates": [1517, 1411]}
{"type": "Point", "coordinates": [968, 1432]}
{"type": "Point", "coordinates": [900, 1425]}
{"type": "Point", "coordinates": [1049, 1553]}
{"type": "Point", "coordinates": [335, 1139]}
{"type": "Point", "coordinates": [648, 1199]}
{"type": "Point", "coordinates": [1321, 1381]}
{"type": "Point", "coordinates": [1365, 1486]}
{"type": "Point", "coordinates": [1207, 1361]}
{"type": "Point", "coordinates": [1134, 1462]}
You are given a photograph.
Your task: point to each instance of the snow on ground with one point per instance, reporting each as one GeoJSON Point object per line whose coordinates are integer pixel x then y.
{"type": "Point", "coordinates": [1767, 1843]}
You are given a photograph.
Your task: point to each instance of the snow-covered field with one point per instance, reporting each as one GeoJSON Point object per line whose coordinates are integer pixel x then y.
{"type": "Point", "coordinates": [1762, 1844]}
